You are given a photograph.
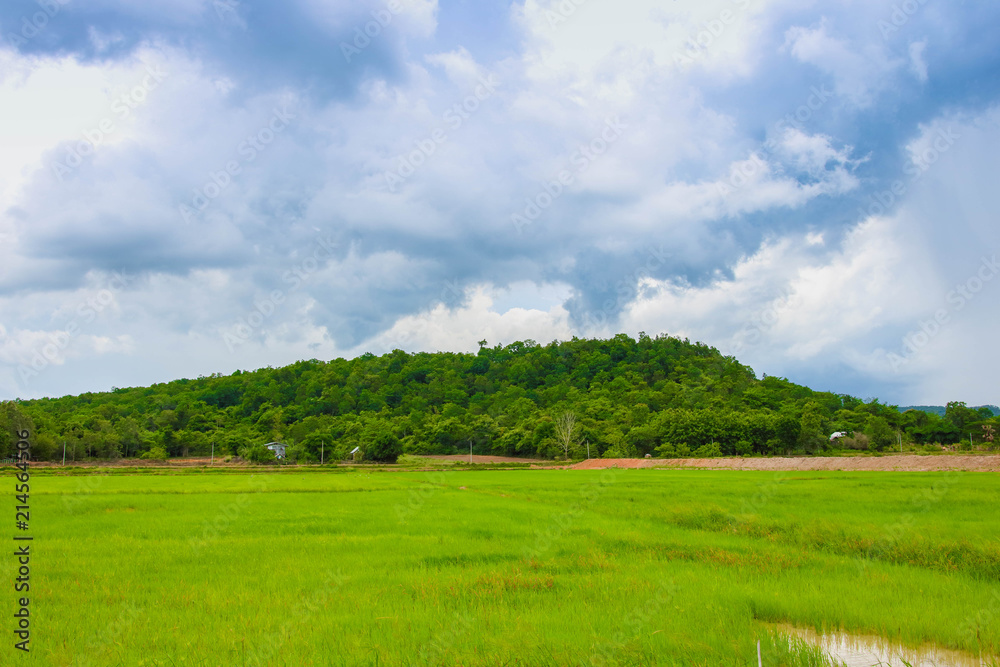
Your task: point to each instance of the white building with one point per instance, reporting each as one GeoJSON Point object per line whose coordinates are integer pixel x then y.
{"type": "Point", "coordinates": [278, 448]}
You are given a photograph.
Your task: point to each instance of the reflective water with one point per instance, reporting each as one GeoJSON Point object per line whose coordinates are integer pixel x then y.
{"type": "Point", "coordinates": [869, 650]}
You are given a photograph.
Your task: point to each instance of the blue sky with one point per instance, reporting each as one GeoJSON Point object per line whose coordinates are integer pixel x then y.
{"type": "Point", "coordinates": [198, 186]}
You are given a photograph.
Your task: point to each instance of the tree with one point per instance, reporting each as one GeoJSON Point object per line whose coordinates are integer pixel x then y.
{"type": "Point", "coordinates": [566, 435]}
{"type": "Point", "coordinates": [13, 420]}
{"type": "Point", "coordinates": [880, 433]}
{"type": "Point", "coordinates": [961, 416]}
{"type": "Point", "coordinates": [383, 446]}
{"type": "Point", "coordinates": [811, 437]}
{"type": "Point", "coordinates": [989, 433]}
{"type": "Point", "coordinates": [660, 394]}
{"type": "Point", "coordinates": [130, 436]}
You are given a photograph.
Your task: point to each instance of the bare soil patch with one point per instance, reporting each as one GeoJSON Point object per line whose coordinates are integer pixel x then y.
{"type": "Point", "coordinates": [904, 462]}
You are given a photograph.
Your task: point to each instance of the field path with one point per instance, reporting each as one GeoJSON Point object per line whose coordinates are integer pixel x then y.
{"type": "Point", "coordinates": [909, 462]}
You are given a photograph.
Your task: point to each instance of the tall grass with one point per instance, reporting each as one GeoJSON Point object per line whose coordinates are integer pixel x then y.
{"type": "Point", "coordinates": [540, 567]}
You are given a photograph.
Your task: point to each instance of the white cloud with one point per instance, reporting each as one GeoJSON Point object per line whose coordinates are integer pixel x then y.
{"type": "Point", "coordinates": [585, 37]}
{"type": "Point", "coordinates": [51, 101]}
{"type": "Point", "coordinates": [793, 302]}
{"type": "Point", "coordinates": [859, 73]}
{"type": "Point", "coordinates": [460, 328]}
{"type": "Point", "coordinates": [690, 174]}
{"type": "Point", "coordinates": [917, 63]}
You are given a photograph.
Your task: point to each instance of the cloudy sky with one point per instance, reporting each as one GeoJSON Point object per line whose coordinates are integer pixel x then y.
{"type": "Point", "coordinates": [195, 186]}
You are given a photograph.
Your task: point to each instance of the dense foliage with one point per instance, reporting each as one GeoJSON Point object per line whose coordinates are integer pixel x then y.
{"type": "Point", "coordinates": [618, 397]}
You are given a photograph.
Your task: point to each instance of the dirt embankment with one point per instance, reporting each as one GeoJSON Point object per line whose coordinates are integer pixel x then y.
{"type": "Point", "coordinates": [476, 458]}
{"type": "Point", "coordinates": [141, 463]}
{"type": "Point", "coordinates": [909, 462]}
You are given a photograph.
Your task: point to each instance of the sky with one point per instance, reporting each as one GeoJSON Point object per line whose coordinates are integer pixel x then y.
{"type": "Point", "coordinates": [192, 187]}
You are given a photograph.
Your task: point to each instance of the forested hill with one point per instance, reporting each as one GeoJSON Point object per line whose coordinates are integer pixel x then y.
{"type": "Point", "coordinates": [942, 410]}
{"type": "Point", "coordinates": [620, 396]}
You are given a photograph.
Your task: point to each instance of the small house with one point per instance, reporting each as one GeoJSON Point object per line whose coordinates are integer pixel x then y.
{"type": "Point", "coordinates": [277, 448]}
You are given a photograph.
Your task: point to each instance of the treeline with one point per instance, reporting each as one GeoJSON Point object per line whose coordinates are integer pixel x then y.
{"type": "Point", "coordinates": [618, 397]}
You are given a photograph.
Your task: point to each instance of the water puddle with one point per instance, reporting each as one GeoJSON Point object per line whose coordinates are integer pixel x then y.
{"type": "Point", "coordinates": [871, 650]}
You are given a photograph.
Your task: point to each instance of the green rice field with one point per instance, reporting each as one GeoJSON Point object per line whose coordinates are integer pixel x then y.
{"type": "Point", "coordinates": [502, 567]}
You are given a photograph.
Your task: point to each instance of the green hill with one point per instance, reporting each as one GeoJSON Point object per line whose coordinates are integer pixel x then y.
{"type": "Point", "coordinates": [626, 397]}
{"type": "Point", "coordinates": [940, 410]}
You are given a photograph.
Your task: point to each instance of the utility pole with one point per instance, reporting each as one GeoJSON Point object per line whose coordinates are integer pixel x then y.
{"type": "Point", "coordinates": [470, 451]}
{"type": "Point", "coordinates": [64, 452]}
{"type": "Point", "coordinates": [213, 453]}
{"type": "Point", "coordinates": [321, 444]}
{"type": "Point", "coordinates": [588, 448]}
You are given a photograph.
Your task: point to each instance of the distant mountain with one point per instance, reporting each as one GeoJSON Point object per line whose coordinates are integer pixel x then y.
{"type": "Point", "coordinates": [940, 409]}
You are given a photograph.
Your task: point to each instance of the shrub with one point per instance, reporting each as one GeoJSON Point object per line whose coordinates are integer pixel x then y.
{"type": "Point", "coordinates": [257, 454]}
{"type": "Point", "coordinates": [299, 453]}
{"type": "Point", "coordinates": [156, 453]}
{"type": "Point", "coordinates": [857, 441]}
{"type": "Point", "coordinates": [620, 450]}
{"type": "Point", "coordinates": [744, 448]}
{"type": "Point", "coordinates": [669, 450]}
{"type": "Point", "coordinates": [707, 451]}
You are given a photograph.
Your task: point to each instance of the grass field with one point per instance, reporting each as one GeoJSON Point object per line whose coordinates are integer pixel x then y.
{"type": "Point", "coordinates": [539, 567]}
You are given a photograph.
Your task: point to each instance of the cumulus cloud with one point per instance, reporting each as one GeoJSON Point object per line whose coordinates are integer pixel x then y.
{"type": "Point", "coordinates": [366, 178]}
{"type": "Point", "coordinates": [917, 62]}
{"type": "Point", "coordinates": [859, 71]}
{"type": "Point", "coordinates": [460, 328]}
